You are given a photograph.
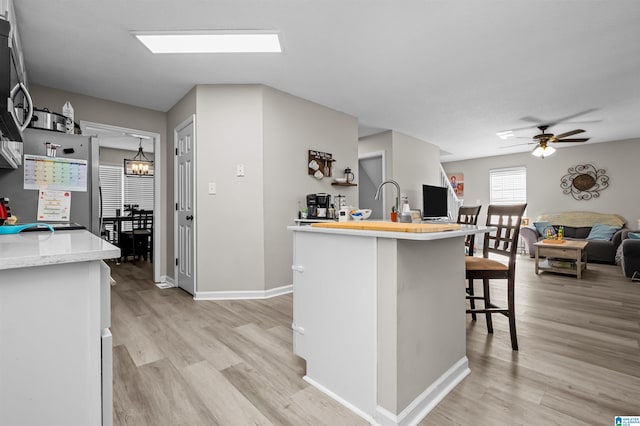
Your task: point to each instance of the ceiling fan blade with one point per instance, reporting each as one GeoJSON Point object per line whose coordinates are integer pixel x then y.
{"type": "Point", "coordinates": [519, 144]}
{"type": "Point", "coordinates": [571, 133]}
{"type": "Point", "coordinates": [573, 140]}
{"type": "Point", "coordinates": [568, 117]}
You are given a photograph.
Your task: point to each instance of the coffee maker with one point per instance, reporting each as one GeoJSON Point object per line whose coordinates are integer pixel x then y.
{"type": "Point", "coordinates": [318, 205]}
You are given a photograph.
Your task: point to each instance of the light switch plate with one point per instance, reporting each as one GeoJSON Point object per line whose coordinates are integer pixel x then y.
{"type": "Point", "coordinates": [212, 188]}
{"type": "Point", "coordinates": [240, 170]}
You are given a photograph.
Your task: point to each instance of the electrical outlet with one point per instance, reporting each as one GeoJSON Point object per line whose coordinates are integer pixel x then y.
{"type": "Point", "coordinates": [240, 170]}
{"type": "Point", "coordinates": [212, 188]}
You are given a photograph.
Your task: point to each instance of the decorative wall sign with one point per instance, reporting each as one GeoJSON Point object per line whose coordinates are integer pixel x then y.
{"type": "Point", "coordinates": [584, 181]}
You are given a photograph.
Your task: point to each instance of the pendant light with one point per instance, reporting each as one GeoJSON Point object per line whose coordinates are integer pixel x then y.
{"type": "Point", "coordinates": [139, 165]}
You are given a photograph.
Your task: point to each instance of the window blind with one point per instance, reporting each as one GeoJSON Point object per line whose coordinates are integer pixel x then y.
{"type": "Point", "coordinates": [508, 185]}
{"type": "Point", "coordinates": [111, 187]}
{"type": "Point", "coordinates": [138, 190]}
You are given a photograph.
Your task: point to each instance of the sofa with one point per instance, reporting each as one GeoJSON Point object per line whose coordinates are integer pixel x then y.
{"type": "Point", "coordinates": [629, 253]}
{"type": "Point", "coordinates": [578, 226]}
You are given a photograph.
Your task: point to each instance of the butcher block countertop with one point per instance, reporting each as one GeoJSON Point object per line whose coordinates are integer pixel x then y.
{"type": "Point", "coordinates": [397, 230]}
{"type": "Point", "coordinates": [391, 226]}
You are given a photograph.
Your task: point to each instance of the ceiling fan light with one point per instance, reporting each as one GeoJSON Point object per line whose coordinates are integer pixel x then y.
{"type": "Point", "coordinates": [542, 152]}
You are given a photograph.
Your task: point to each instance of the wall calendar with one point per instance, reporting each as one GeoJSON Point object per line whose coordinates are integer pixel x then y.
{"type": "Point", "coordinates": [63, 174]}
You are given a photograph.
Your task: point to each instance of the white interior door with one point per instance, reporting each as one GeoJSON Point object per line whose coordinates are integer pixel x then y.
{"type": "Point", "coordinates": [185, 208]}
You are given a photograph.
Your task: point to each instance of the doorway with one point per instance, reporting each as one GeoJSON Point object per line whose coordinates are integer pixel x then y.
{"type": "Point", "coordinates": [371, 174]}
{"type": "Point", "coordinates": [114, 140]}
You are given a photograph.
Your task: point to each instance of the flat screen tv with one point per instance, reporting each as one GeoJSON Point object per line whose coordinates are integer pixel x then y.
{"type": "Point", "coordinates": [434, 202]}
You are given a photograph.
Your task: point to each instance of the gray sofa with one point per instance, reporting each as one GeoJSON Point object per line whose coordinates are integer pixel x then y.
{"type": "Point", "coordinates": [577, 226]}
{"type": "Point", "coordinates": [629, 255]}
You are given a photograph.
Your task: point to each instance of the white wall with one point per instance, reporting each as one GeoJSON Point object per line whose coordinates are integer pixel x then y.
{"type": "Point", "coordinates": [415, 162]}
{"type": "Point", "coordinates": [292, 126]}
{"type": "Point", "coordinates": [409, 161]}
{"type": "Point", "coordinates": [544, 195]}
{"type": "Point", "coordinates": [230, 239]}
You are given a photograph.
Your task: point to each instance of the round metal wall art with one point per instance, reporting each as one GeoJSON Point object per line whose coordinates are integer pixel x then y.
{"type": "Point", "coordinates": [584, 182]}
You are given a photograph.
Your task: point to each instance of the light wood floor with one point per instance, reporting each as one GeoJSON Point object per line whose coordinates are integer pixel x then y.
{"type": "Point", "coordinates": [180, 362]}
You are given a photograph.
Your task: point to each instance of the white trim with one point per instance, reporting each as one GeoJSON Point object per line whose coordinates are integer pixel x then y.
{"type": "Point", "coordinates": [185, 123]}
{"type": "Point", "coordinates": [158, 202]}
{"type": "Point", "coordinates": [166, 282]}
{"type": "Point", "coordinates": [243, 294]}
{"type": "Point", "coordinates": [342, 401]}
{"type": "Point", "coordinates": [427, 400]}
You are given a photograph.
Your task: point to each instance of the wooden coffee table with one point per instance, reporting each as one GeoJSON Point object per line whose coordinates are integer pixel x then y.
{"type": "Point", "coordinates": [570, 257]}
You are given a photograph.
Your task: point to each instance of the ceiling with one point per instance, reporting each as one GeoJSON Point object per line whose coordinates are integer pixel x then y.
{"type": "Point", "coordinates": [452, 73]}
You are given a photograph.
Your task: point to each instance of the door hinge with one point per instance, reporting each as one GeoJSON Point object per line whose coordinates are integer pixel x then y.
{"type": "Point", "coordinates": [176, 261]}
{"type": "Point", "coordinates": [176, 206]}
{"type": "Point", "coordinates": [176, 151]}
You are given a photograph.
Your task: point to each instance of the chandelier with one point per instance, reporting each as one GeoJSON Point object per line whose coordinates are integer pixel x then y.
{"type": "Point", "coordinates": [139, 165]}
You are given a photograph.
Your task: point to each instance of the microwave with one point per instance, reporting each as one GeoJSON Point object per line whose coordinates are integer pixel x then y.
{"type": "Point", "coordinates": [16, 106]}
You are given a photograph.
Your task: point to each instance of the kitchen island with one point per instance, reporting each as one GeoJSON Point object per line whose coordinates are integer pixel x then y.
{"type": "Point", "coordinates": [55, 356]}
{"type": "Point", "coordinates": [379, 317]}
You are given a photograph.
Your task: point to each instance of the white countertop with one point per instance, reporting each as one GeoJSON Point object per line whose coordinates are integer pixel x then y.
{"type": "Point", "coordinates": [420, 236]}
{"type": "Point", "coordinates": [28, 249]}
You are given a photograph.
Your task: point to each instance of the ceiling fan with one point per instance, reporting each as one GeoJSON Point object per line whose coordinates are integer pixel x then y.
{"type": "Point", "coordinates": [543, 139]}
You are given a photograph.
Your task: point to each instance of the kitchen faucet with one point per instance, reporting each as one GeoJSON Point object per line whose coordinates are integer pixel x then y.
{"type": "Point", "coordinates": [377, 196]}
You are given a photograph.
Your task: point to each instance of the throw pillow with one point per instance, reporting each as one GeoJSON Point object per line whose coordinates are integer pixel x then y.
{"type": "Point", "coordinates": [634, 235]}
{"type": "Point", "coordinates": [541, 227]}
{"type": "Point", "coordinates": [600, 231]}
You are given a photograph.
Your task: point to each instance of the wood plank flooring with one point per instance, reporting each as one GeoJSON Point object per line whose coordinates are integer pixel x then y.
{"type": "Point", "coordinates": [181, 362]}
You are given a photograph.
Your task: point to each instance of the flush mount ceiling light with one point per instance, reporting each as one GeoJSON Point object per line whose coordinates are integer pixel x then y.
{"type": "Point", "coordinates": [210, 41]}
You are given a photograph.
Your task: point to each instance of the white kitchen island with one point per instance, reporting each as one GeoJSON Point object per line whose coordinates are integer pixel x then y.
{"type": "Point", "coordinates": [379, 317]}
{"type": "Point", "coordinates": [55, 344]}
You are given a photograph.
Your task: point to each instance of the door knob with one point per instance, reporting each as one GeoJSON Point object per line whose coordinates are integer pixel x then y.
{"type": "Point", "coordinates": [190, 217]}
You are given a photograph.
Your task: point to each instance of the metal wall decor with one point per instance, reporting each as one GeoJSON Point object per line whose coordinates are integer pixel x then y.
{"type": "Point", "coordinates": [584, 181]}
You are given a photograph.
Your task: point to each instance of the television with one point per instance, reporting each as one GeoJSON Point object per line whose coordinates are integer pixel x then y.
{"type": "Point", "coordinates": [434, 202]}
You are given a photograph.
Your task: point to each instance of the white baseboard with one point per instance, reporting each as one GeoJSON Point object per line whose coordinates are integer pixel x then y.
{"type": "Point", "coordinates": [165, 282]}
{"type": "Point", "coordinates": [419, 407]}
{"type": "Point", "coordinates": [243, 294]}
{"type": "Point", "coordinates": [427, 400]}
{"type": "Point", "coordinates": [342, 401]}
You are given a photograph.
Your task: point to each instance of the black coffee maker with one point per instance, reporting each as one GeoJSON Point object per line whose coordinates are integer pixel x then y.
{"type": "Point", "coordinates": [318, 205]}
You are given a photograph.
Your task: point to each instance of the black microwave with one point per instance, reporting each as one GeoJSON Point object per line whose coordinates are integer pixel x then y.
{"type": "Point", "coordinates": [16, 106]}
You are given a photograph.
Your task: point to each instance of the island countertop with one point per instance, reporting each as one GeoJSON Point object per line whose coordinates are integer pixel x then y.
{"type": "Point", "coordinates": [421, 236]}
{"type": "Point", "coordinates": [28, 249]}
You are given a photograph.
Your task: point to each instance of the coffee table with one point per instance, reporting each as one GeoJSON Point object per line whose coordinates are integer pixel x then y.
{"type": "Point", "coordinates": [569, 257]}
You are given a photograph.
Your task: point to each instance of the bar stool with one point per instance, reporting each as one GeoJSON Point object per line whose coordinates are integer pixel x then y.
{"type": "Point", "coordinates": [502, 243]}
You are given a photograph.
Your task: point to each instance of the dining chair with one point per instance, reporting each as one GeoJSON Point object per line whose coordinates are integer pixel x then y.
{"type": "Point", "coordinates": [468, 215]}
{"type": "Point", "coordinates": [502, 244]}
{"type": "Point", "coordinates": [138, 240]}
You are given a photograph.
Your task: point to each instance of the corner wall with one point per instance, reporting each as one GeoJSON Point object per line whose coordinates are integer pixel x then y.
{"type": "Point", "coordinates": [292, 126]}
{"type": "Point", "coordinates": [544, 195]}
{"type": "Point", "coordinates": [230, 233]}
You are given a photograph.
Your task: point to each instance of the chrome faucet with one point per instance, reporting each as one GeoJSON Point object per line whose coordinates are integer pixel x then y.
{"type": "Point", "coordinates": [377, 196]}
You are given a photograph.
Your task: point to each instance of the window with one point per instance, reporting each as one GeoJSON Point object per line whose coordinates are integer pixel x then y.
{"type": "Point", "coordinates": [118, 190]}
{"type": "Point", "coordinates": [508, 185]}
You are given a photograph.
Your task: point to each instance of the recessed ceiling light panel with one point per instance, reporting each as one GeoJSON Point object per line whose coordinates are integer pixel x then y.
{"type": "Point", "coordinates": [210, 42]}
